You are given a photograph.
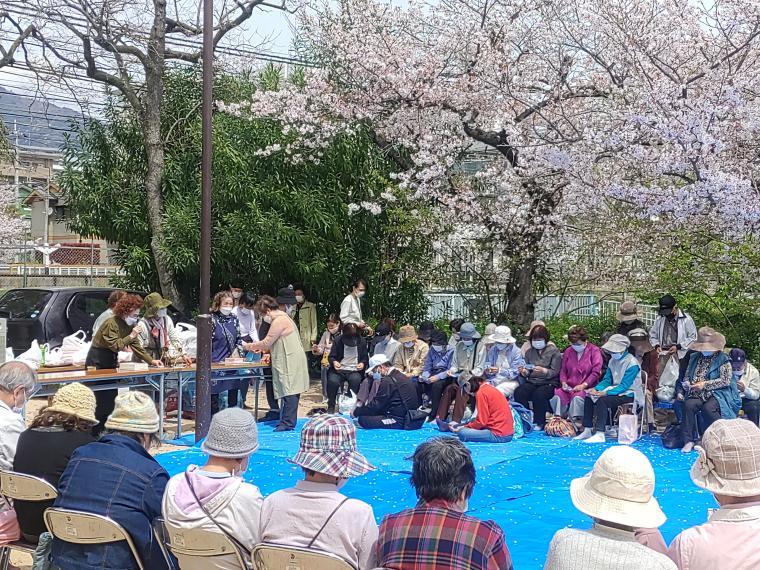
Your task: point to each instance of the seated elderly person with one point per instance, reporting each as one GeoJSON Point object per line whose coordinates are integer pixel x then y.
{"type": "Point", "coordinates": [620, 382]}
{"type": "Point", "coordinates": [581, 369]}
{"type": "Point", "coordinates": [748, 383]}
{"type": "Point", "coordinates": [394, 401]}
{"type": "Point", "coordinates": [540, 374]}
{"type": "Point", "coordinates": [463, 362]}
{"type": "Point", "coordinates": [503, 362]}
{"type": "Point", "coordinates": [315, 513]}
{"type": "Point", "coordinates": [435, 372]}
{"type": "Point", "coordinates": [618, 496]}
{"type": "Point", "coordinates": [348, 360]}
{"type": "Point", "coordinates": [410, 356]}
{"type": "Point", "coordinates": [437, 533]}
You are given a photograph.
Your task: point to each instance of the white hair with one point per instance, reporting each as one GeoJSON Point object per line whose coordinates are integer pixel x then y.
{"type": "Point", "coordinates": [14, 374]}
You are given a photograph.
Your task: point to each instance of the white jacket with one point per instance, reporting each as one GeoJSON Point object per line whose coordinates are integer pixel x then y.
{"type": "Point", "coordinates": [351, 310]}
{"type": "Point", "coordinates": [11, 426]}
{"type": "Point", "coordinates": [687, 332]}
{"type": "Point", "coordinates": [751, 380]}
{"type": "Point", "coordinates": [234, 504]}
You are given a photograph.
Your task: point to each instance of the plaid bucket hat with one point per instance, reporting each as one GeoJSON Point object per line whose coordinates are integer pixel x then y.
{"type": "Point", "coordinates": [729, 459]}
{"type": "Point", "coordinates": [328, 445]}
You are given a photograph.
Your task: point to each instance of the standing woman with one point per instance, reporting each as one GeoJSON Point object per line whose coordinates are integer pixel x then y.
{"type": "Point", "coordinates": [115, 334]}
{"type": "Point", "coordinates": [290, 371]}
{"type": "Point", "coordinates": [351, 307]}
{"type": "Point", "coordinates": [225, 341]}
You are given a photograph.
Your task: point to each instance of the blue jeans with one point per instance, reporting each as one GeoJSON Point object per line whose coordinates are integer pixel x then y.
{"type": "Point", "coordinates": [482, 436]}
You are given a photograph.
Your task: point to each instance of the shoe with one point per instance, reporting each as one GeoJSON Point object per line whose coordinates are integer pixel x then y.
{"type": "Point", "coordinates": [598, 437]}
{"type": "Point", "coordinates": [688, 448]}
{"type": "Point", "coordinates": [585, 434]}
{"type": "Point", "coordinates": [268, 417]}
{"type": "Point", "coordinates": [283, 428]}
{"type": "Point", "coordinates": [442, 425]}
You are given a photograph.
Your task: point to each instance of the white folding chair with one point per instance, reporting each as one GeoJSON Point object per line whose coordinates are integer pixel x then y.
{"type": "Point", "coordinates": [22, 487]}
{"type": "Point", "coordinates": [280, 557]}
{"type": "Point", "coordinates": [79, 527]}
{"type": "Point", "coordinates": [198, 543]}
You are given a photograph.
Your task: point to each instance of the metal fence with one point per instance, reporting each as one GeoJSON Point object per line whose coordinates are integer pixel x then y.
{"type": "Point", "coordinates": [65, 264]}
{"type": "Point", "coordinates": [454, 305]}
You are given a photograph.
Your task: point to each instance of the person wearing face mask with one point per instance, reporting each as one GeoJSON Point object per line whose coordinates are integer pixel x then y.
{"type": "Point", "coordinates": [315, 513]}
{"type": "Point", "coordinates": [305, 316]}
{"type": "Point", "coordinates": [435, 376]}
{"type": "Point", "coordinates": [620, 384]}
{"type": "Point", "coordinates": [709, 386]}
{"type": "Point", "coordinates": [526, 345]}
{"type": "Point", "coordinates": [540, 373]}
{"type": "Point", "coordinates": [390, 399]}
{"type": "Point", "coordinates": [581, 368]}
{"type": "Point", "coordinates": [437, 532]}
{"type": "Point", "coordinates": [503, 362]}
{"type": "Point", "coordinates": [748, 383]}
{"type": "Point", "coordinates": [385, 343]}
{"type": "Point", "coordinates": [216, 496]}
{"type": "Point", "coordinates": [410, 356]}
{"type": "Point", "coordinates": [226, 342]}
{"type": "Point", "coordinates": [323, 349]}
{"type": "Point", "coordinates": [463, 362]}
{"type": "Point", "coordinates": [118, 333]}
{"type": "Point", "coordinates": [236, 291]}
{"type": "Point", "coordinates": [246, 315]}
{"type": "Point", "coordinates": [348, 361]}
{"type": "Point", "coordinates": [156, 331]}
{"type": "Point", "coordinates": [351, 307]}
{"type": "Point", "coordinates": [672, 333]}
{"type": "Point", "coordinates": [454, 326]}
{"type": "Point", "coordinates": [290, 372]}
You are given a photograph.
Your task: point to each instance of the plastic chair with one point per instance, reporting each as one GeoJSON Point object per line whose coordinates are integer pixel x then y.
{"type": "Point", "coordinates": [277, 557]}
{"type": "Point", "coordinates": [22, 487]}
{"type": "Point", "coordinates": [199, 543]}
{"type": "Point", "coordinates": [79, 527]}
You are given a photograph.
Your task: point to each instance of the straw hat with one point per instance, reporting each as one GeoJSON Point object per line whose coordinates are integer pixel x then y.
{"type": "Point", "coordinates": [619, 490]}
{"type": "Point", "coordinates": [76, 400]}
{"type": "Point", "coordinates": [328, 446]}
{"type": "Point", "coordinates": [468, 331]}
{"type": "Point", "coordinates": [628, 312]}
{"type": "Point", "coordinates": [503, 334]}
{"type": "Point", "coordinates": [617, 343]}
{"type": "Point", "coordinates": [134, 412]}
{"type": "Point", "coordinates": [709, 339]}
{"type": "Point", "coordinates": [232, 434]}
{"type": "Point", "coordinates": [377, 360]}
{"type": "Point", "coordinates": [729, 459]}
{"type": "Point", "coordinates": [407, 333]}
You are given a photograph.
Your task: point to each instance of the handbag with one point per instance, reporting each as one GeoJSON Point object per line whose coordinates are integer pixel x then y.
{"type": "Point", "coordinates": [628, 425]}
{"type": "Point", "coordinates": [672, 438]}
{"type": "Point", "coordinates": [557, 426]}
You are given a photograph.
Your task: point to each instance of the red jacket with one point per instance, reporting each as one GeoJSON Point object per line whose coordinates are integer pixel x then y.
{"type": "Point", "coordinates": [494, 413]}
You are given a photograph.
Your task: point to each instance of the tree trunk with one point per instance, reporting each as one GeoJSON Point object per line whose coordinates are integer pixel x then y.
{"type": "Point", "coordinates": [154, 152]}
{"type": "Point", "coordinates": [521, 297]}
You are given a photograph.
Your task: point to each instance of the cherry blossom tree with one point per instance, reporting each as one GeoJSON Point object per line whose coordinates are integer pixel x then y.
{"type": "Point", "coordinates": [13, 227]}
{"type": "Point", "coordinates": [584, 105]}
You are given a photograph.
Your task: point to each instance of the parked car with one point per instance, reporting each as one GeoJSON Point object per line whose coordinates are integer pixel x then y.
{"type": "Point", "coordinates": [48, 314]}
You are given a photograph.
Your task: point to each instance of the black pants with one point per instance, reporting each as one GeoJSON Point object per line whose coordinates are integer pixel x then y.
{"type": "Point", "coordinates": [540, 396]}
{"type": "Point", "coordinates": [104, 404]}
{"type": "Point", "coordinates": [752, 410]}
{"type": "Point", "coordinates": [380, 422]}
{"type": "Point", "coordinates": [274, 405]}
{"type": "Point", "coordinates": [601, 407]}
{"type": "Point", "coordinates": [691, 407]}
{"type": "Point", "coordinates": [289, 411]}
{"type": "Point", "coordinates": [434, 392]}
{"type": "Point", "coordinates": [335, 379]}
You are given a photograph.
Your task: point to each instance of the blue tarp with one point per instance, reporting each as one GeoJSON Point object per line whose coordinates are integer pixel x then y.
{"type": "Point", "coordinates": [522, 485]}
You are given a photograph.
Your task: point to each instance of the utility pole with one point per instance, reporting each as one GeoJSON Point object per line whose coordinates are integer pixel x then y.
{"type": "Point", "coordinates": [15, 164]}
{"type": "Point", "coordinates": [203, 363]}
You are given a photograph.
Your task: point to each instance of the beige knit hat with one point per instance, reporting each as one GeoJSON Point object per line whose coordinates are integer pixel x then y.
{"type": "Point", "coordinates": [75, 399]}
{"type": "Point", "coordinates": [134, 412]}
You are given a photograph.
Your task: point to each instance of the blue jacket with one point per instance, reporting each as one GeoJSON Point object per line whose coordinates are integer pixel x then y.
{"type": "Point", "coordinates": [510, 367]}
{"type": "Point", "coordinates": [117, 478]}
{"type": "Point", "coordinates": [437, 364]}
{"type": "Point", "coordinates": [225, 336]}
{"type": "Point", "coordinates": [728, 396]}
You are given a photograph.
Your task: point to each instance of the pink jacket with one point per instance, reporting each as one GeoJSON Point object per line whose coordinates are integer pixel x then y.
{"type": "Point", "coordinates": [576, 371]}
{"type": "Point", "coordinates": [728, 541]}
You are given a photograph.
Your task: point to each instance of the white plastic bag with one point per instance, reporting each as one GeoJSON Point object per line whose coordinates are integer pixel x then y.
{"type": "Point", "coordinates": [188, 336]}
{"type": "Point", "coordinates": [666, 394]}
{"type": "Point", "coordinates": [347, 403]}
{"type": "Point", "coordinates": [669, 375]}
{"type": "Point", "coordinates": [71, 345]}
{"type": "Point", "coordinates": [80, 357]}
{"type": "Point", "coordinates": [33, 356]}
{"type": "Point", "coordinates": [54, 357]}
{"type": "Point", "coordinates": [628, 429]}
{"type": "Point", "coordinates": [125, 356]}
{"type": "Point", "coordinates": [8, 354]}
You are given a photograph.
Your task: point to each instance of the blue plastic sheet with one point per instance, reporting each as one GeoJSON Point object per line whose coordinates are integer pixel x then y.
{"type": "Point", "coordinates": [522, 485]}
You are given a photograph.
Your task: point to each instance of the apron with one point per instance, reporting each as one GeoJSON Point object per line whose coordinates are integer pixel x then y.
{"type": "Point", "coordinates": [290, 371]}
{"type": "Point", "coordinates": [102, 358]}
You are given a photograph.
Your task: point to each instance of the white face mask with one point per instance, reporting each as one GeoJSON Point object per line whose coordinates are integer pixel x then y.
{"type": "Point", "coordinates": [131, 321]}
{"type": "Point", "coordinates": [226, 311]}
{"type": "Point", "coordinates": [237, 294]}
{"type": "Point", "coordinates": [162, 313]}
{"type": "Point", "coordinates": [19, 408]}
{"type": "Point", "coordinates": [538, 344]}
{"type": "Point", "coordinates": [267, 319]}
{"type": "Point", "coordinates": [360, 294]}
{"type": "Point", "coordinates": [409, 344]}
{"type": "Point", "coordinates": [300, 298]}
{"type": "Point", "coordinates": [244, 311]}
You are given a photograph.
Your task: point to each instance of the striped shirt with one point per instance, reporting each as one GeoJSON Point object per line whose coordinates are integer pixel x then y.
{"type": "Point", "coordinates": [434, 536]}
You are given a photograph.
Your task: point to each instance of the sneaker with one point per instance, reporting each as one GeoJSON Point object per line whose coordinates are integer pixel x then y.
{"type": "Point", "coordinates": [585, 434]}
{"type": "Point", "coordinates": [598, 437]}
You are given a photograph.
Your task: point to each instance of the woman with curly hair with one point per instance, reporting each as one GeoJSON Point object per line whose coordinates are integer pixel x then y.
{"type": "Point", "coordinates": [118, 333]}
{"type": "Point", "coordinates": [45, 448]}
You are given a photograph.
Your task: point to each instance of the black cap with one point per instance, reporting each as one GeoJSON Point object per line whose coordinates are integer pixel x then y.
{"type": "Point", "coordinates": [286, 296]}
{"type": "Point", "coordinates": [667, 302]}
{"type": "Point", "coordinates": [438, 338]}
{"type": "Point", "coordinates": [426, 330]}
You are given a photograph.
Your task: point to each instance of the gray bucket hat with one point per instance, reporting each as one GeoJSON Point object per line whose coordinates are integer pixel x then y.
{"type": "Point", "coordinates": [468, 331]}
{"type": "Point", "coordinates": [233, 434]}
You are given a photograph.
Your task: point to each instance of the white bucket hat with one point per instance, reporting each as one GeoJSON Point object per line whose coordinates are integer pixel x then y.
{"type": "Point", "coordinates": [617, 343]}
{"type": "Point", "coordinates": [377, 360]}
{"type": "Point", "coordinates": [729, 459]}
{"type": "Point", "coordinates": [503, 334]}
{"type": "Point", "coordinates": [619, 490]}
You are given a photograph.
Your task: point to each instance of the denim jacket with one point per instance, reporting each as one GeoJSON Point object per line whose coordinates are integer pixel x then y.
{"type": "Point", "coordinates": [117, 478]}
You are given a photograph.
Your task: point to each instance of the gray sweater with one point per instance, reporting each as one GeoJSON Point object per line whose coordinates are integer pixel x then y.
{"type": "Point", "coordinates": [551, 358]}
